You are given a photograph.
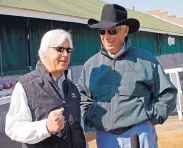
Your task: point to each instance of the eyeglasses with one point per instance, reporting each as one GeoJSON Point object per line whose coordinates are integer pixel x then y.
{"type": "Point", "coordinates": [111, 31]}
{"type": "Point", "coordinates": [61, 49]}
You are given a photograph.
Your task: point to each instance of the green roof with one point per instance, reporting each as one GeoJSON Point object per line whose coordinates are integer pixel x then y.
{"type": "Point", "coordinates": [77, 8]}
{"type": "Point", "coordinates": [151, 22]}
{"type": "Point", "coordinates": [88, 9]}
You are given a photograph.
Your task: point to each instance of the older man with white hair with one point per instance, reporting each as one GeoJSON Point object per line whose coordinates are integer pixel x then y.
{"type": "Point", "coordinates": [45, 105]}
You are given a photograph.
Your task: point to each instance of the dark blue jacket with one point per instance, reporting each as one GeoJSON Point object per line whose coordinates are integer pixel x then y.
{"type": "Point", "coordinates": [117, 94]}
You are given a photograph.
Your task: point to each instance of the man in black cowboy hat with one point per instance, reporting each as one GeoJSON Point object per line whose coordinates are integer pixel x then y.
{"type": "Point", "coordinates": [124, 89]}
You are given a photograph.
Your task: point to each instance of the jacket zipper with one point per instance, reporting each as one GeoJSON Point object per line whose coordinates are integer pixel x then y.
{"type": "Point", "coordinates": [112, 115]}
{"type": "Point", "coordinates": [113, 65]}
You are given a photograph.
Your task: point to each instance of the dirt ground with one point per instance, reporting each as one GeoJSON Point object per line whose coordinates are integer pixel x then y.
{"type": "Point", "coordinates": [170, 134]}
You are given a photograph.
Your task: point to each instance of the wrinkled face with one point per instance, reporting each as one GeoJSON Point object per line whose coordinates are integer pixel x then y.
{"type": "Point", "coordinates": [113, 38]}
{"type": "Point", "coordinates": [58, 57]}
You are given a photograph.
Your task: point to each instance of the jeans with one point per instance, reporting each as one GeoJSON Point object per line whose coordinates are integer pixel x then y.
{"type": "Point", "coordinates": [146, 132]}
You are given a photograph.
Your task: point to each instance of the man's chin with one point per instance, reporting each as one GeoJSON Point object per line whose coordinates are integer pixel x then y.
{"type": "Point", "coordinates": [63, 65]}
{"type": "Point", "coordinates": [62, 68]}
{"type": "Point", "coordinates": [110, 49]}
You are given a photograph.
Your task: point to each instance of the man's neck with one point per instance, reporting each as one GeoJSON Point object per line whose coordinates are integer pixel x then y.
{"type": "Point", "coordinates": [56, 75]}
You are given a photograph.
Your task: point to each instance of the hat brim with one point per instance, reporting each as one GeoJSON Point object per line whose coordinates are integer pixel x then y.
{"type": "Point", "coordinates": [133, 24]}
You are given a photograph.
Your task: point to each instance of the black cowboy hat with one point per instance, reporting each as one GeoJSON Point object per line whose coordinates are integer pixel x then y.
{"type": "Point", "coordinates": [114, 15]}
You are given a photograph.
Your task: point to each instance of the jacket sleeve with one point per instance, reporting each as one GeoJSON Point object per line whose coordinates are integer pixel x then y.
{"type": "Point", "coordinates": [164, 96]}
{"type": "Point", "coordinates": [86, 97]}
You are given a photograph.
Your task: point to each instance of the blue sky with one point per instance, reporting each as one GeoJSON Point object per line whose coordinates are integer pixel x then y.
{"type": "Point", "coordinates": [174, 7]}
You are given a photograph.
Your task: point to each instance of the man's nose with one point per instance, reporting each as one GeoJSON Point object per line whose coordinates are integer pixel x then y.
{"type": "Point", "coordinates": [107, 35]}
{"type": "Point", "coordinates": [65, 53]}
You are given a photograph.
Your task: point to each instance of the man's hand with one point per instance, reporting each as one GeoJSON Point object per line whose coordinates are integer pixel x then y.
{"type": "Point", "coordinates": [55, 120]}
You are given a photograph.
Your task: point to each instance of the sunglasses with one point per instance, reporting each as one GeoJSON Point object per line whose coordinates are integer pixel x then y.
{"type": "Point", "coordinates": [110, 31]}
{"type": "Point", "coordinates": [61, 49]}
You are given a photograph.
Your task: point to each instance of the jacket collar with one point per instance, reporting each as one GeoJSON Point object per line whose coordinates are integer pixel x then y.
{"type": "Point", "coordinates": [42, 69]}
{"type": "Point", "coordinates": [122, 54]}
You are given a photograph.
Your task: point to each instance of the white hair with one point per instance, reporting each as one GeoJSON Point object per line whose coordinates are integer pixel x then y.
{"type": "Point", "coordinates": [53, 38]}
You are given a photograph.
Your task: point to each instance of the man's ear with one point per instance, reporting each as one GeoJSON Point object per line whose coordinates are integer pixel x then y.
{"type": "Point", "coordinates": [126, 30]}
{"type": "Point", "coordinates": [45, 55]}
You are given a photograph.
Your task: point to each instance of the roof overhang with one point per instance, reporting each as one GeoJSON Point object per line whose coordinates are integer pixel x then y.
{"type": "Point", "coordinates": [59, 17]}
{"type": "Point", "coordinates": [159, 31]}
{"type": "Point", "coordinates": [40, 15]}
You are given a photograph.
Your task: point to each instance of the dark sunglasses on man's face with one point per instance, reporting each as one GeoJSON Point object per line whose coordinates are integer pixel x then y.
{"type": "Point", "coordinates": [61, 49]}
{"type": "Point", "coordinates": [110, 31]}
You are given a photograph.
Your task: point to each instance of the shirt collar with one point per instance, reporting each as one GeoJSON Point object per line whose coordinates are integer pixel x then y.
{"type": "Point", "coordinates": [62, 78]}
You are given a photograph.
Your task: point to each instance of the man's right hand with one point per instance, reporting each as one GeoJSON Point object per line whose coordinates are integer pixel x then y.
{"type": "Point", "coordinates": [55, 120]}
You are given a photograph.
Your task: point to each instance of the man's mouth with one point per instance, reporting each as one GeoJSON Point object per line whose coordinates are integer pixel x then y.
{"type": "Point", "coordinates": [109, 42]}
{"type": "Point", "coordinates": [63, 61]}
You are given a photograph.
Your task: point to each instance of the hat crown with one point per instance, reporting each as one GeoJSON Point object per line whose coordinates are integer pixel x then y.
{"type": "Point", "coordinates": [114, 13]}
